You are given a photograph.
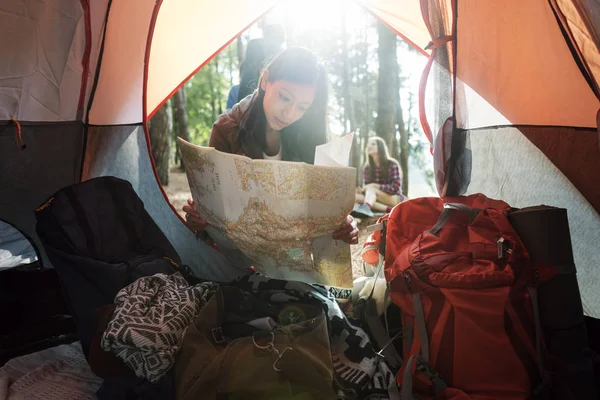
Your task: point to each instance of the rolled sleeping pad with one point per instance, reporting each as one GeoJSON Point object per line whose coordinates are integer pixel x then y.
{"type": "Point", "coordinates": [545, 233]}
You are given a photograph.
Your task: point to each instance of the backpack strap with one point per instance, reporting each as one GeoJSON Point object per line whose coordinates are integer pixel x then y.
{"type": "Point", "coordinates": [367, 312]}
{"type": "Point", "coordinates": [421, 359]}
{"type": "Point", "coordinates": [541, 391]}
{"type": "Point", "coordinates": [422, 366]}
{"type": "Point", "coordinates": [538, 329]}
{"type": "Point", "coordinates": [447, 212]}
{"type": "Point", "coordinates": [407, 380]}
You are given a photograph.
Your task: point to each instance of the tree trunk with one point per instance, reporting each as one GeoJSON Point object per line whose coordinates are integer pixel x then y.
{"type": "Point", "coordinates": [349, 120]}
{"type": "Point", "coordinates": [160, 130]}
{"type": "Point", "coordinates": [385, 125]}
{"type": "Point", "coordinates": [211, 86]}
{"type": "Point", "coordinates": [345, 74]}
{"type": "Point", "coordinates": [240, 49]}
{"type": "Point", "coordinates": [230, 66]}
{"type": "Point", "coordinates": [402, 129]}
{"type": "Point", "coordinates": [180, 122]}
{"type": "Point", "coordinates": [367, 121]}
{"type": "Point", "coordinates": [216, 91]}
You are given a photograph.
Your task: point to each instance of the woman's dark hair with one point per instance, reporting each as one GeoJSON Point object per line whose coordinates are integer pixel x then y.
{"type": "Point", "coordinates": [298, 140]}
{"type": "Point", "coordinates": [384, 160]}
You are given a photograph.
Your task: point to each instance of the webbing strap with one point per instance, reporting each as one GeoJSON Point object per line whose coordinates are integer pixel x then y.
{"type": "Point", "coordinates": [407, 380]}
{"type": "Point", "coordinates": [538, 330]}
{"type": "Point", "coordinates": [436, 380]}
{"type": "Point", "coordinates": [376, 327]}
{"type": "Point", "coordinates": [421, 327]}
{"type": "Point", "coordinates": [381, 336]}
{"type": "Point", "coordinates": [393, 390]}
{"type": "Point", "coordinates": [378, 273]}
{"type": "Point", "coordinates": [472, 212]}
{"type": "Point", "coordinates": [442, 220]}
{"type": "Point", "coordinates": [434, 44]}
{"type": "Point", "coordinates": [446, 213]}
{"type": "Point", "coordinates": [422, 366]}
{"type": "Point", "coordinates": [422, 358]}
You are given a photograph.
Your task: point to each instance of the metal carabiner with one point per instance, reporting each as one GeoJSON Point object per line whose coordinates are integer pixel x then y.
{"type": "Point", "coordinates": [279, 355]}
{"type": "Point", "coordinates": [268, 346]}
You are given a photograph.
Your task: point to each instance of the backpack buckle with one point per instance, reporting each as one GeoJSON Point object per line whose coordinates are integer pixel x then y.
{"type": "Point", "coordinates": [434, 377]}
{"type": "Point", "coordinates": [217, 334]}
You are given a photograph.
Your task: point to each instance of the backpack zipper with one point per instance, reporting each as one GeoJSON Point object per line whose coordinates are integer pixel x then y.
{"type": "Point", "coordinates": [503, 247]}
{"type": "Point", "coordinates": [500, 244]}
{"type": "Point", "coordinates": [408, 282]}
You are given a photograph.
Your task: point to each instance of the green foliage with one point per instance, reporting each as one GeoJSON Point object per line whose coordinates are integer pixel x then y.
{"type": "Point", "coordinates": [207, 93]}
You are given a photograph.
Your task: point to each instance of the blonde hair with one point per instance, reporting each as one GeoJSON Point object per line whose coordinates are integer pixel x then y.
{"type": "Point", "coordinates": [383, 155]}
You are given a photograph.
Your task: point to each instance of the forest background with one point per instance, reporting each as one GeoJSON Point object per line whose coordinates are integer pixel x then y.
{"type": "Point", "coordinates": [374, 81]}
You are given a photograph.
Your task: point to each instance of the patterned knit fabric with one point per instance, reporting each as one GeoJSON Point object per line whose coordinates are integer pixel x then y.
{"type": "Point", "coordinates": [150, 320]}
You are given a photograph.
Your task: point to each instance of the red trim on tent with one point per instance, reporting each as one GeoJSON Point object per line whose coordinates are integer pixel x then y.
{"type": "Point", "coordinates": [418, 48]}
{"type": "Point", "coordinates": [86, 57]}
{"type": "Point", "coordinates": [146, 117]}
{"type": "Point", "coordinates": [576, 51]}
{"type": "Point", "coordinates": [144, 107]}
{"type": "Point", "coordinates": [18, 135]}
{"type": "Point", "coordinates": [434, 45]}
{"type": "Point", "coordinates": [424, 76]}
{"type": "Point", "coordinates": [202, 65]}
{"type": "Point", "coordinates": [422, 114]}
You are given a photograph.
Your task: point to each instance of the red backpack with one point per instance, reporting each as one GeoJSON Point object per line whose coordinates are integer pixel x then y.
{"type": "Point", "coordinates": [467, 292]}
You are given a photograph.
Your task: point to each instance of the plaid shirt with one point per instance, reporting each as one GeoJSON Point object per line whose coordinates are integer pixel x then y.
{"type": "Point", "coordinates": [393, 185]}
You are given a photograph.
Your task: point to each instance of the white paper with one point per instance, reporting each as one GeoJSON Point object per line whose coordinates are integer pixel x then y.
{"type": "Point", "coordinates": [335, 153]}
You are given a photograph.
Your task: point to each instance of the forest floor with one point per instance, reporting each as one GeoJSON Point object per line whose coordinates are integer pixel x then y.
{"type": "Point", "coordinates": [178, 191]}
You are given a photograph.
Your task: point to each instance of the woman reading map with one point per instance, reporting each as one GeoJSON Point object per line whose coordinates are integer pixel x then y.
{"type": "Point", "coordinates": [285, 119]}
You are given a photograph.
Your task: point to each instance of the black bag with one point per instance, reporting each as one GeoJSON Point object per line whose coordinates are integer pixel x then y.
{"type": "Point", "coordinates": [99, 238]}
{"type": "Point", "coordinates": [33, 312]}
{"type": "Point", "coordinates": [545, 233]}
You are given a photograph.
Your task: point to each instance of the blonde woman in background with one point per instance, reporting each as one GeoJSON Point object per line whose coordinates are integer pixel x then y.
{"type": "Point", "coordinates": [382, 188]}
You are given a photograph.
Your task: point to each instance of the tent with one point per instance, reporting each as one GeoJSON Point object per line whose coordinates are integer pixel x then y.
{"type": "Point", "coordinates": [80, 78]}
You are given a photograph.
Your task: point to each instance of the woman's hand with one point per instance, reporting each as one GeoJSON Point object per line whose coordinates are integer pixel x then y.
{"type": "Point", "coordinates": [194, 220]}
{"type": "Point", "coordinates": [373, 185]}
{"type": "Point", "coordinates": [348, 231]}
